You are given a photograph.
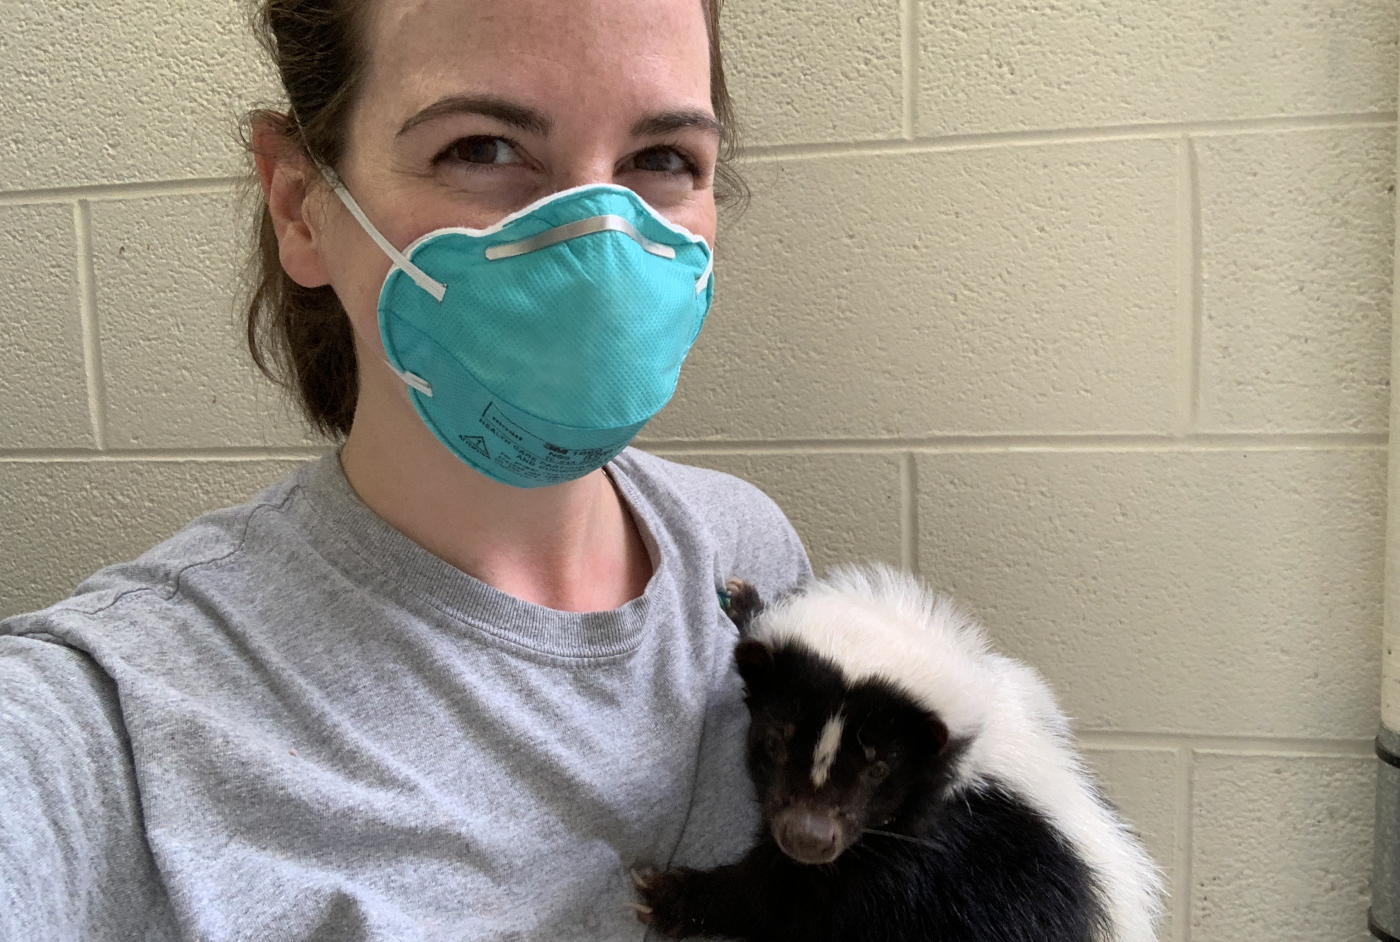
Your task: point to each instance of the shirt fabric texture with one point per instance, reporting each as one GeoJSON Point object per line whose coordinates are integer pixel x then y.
{"type": "Point", "coordinates": [290, 722]}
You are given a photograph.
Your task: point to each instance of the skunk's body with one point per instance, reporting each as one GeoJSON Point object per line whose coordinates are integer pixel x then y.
{"type": "Point", "coordinates": [914, 785]}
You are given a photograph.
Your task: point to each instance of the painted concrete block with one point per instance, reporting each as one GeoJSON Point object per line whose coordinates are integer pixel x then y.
{"type": "Point", "coordinates": [65, 520]}
{"type": "Point", "coordinates": [43, 383]}
{"type": "Point", "coordinates": [1142, 785]}
{"type": "Point", "coordinates": [1226, 592]}
{"type": "Point", "coordinates": [844, 507]}
{"type": "Point", "coordinates": [993, 65]}
{"type": "Point", "coordinates": [1281, 847]}
{"type": "Point", "coordinates": [1296, 331]}
{"type": "Point", "coordinates": [177, 370]}
{"type": "Point", "coordinates": [818, 71]}
{"type": "Point", "coordinates": [1005, 290]}
{"type": "Point", "coordinates": [112, 93]}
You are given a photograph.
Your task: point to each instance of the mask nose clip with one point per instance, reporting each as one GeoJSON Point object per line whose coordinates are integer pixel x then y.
{"type": "Point", "coordinates": [573, 230]}
{"type": "Point", "coordinates": [583, 227]}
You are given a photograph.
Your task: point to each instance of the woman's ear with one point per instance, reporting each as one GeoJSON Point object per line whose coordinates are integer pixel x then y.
{"type": "Point", "coordinates": [287, 179]}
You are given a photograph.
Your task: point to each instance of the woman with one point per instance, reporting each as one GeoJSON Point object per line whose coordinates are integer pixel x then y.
{"type": "Point", "coordinates": [430, 687]}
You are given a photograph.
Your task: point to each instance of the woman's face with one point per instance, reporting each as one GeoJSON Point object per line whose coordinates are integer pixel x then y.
{"type": "Point", "coordinates": [471, 109]}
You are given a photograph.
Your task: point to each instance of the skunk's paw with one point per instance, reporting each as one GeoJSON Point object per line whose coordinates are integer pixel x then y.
{"type": "Point", "coordinates": [671, 904]}
{"type": "Point", "coordinates": [742, 603]}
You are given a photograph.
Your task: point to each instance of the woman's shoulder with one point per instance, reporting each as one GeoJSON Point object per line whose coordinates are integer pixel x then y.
{"type": "Point", "coordinates": [702, 486]}
{"type": "Point", "coordinates": [230, 538]}
{"type": "Point", "coordinates": [750, 536]}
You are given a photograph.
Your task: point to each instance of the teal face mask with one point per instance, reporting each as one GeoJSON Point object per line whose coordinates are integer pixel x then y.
{"type": "Point", "coordinates": [537, 348]}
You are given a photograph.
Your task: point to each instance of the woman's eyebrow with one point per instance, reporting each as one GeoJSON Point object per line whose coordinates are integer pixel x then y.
{"type": "Point", "coordinates": [670, 121]}
{"type": "Point", "coordinates": [532, 122]}
{"type": "Point", "coordinates": [506, 112]}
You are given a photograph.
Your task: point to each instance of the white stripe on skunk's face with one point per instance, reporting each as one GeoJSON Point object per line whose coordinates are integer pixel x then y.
{"type": "Point", "coordinates": [830, 758]}
{"type": "Point", "coordinates": [825, 753]}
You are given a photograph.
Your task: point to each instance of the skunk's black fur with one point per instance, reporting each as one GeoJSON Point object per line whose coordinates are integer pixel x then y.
{"type": "Point", "coordinates": [881, 823]}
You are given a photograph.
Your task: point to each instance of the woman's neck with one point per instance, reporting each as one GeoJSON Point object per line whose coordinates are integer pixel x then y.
{"type": "Point", "coordinates": [572, 547]}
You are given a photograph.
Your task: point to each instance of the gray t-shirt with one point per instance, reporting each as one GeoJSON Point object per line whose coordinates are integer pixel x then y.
{"type": "Point", "coordinates": [289, 721]}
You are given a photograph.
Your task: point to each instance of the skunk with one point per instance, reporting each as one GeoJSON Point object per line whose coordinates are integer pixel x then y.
{"type": "Point", "coordinates": [914, 785]}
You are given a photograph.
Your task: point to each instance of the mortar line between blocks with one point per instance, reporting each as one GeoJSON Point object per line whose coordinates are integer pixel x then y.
{"type": "Point", "coordinates": [1181, 864]}
{"type": "Point", "coordinates": [909, 56]}
{"type": "Point", "coordinates": [1197, 279]}
{"type": "Point", "coordinates": [953, 445]}
{"type": "Point", "coordinates": [996, 444]}
{"type": "Point", "coordinates": [909, 512]}
{"type": "Point", "coordinates": [1184, 287]}
{"type": "Point", "coordinates": [1071, 135]}
{"type": "Point", "coordinates": [87, 312]}
{"type": "Point", "coordinates": [155, 455]}
{"type": "Point", "coordinates": [1221, 744]}
{"type": "Point", "coordinates": [118, 191]}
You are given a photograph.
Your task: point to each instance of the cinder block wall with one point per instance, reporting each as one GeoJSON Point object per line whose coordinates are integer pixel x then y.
{"type": "Point", "coordinates": [1080, 309]}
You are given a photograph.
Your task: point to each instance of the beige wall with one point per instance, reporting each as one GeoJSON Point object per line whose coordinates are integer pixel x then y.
{"type": "Point", "coordinates": [1081, 309]}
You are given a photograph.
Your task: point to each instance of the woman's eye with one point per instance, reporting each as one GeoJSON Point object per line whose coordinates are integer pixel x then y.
{"type": "Point", "coordinates": [481, 150]}
{"type": "Point", "coordinates": [662, 160]}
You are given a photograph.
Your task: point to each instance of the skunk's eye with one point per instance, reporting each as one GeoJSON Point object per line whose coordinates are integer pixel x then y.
{"type": "Point", "coordinates": [877, 772]}
{"type": "Point", "coordinates": [776, 738]}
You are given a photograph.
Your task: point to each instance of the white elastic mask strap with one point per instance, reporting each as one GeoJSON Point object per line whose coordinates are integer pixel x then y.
{"type": "Point", "coordinates": [412, 379]}
{"type": "Point", "coordinates": [401, 262]}
{"type": "Point", "coordinates": [704, 278]}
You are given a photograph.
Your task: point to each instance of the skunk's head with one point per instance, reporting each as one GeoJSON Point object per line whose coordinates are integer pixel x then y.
{"type": "Point", "coordinates": [830, 757]}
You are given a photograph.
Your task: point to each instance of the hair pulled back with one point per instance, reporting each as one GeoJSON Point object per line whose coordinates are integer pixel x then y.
{"type": "Point", "coordinates": [301, 337]}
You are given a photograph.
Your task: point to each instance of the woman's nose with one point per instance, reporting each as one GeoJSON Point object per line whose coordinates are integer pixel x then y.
{"type": "Point", "coordinates": [582, 172]}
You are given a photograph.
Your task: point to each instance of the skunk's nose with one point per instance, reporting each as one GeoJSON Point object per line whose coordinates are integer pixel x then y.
{"type": "Point", "coordinates": [808, 837]}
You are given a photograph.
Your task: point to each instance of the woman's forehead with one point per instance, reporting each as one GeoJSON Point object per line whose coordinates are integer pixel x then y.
{"type": "Point", "coordinates": [539, 52]}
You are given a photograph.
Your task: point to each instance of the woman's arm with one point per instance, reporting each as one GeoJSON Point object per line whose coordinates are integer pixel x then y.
{"type": "Point", "coordinates": [74, 862]}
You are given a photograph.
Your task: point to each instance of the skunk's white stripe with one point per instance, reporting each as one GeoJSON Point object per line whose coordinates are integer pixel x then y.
{"type": "Point", "coordinates": [877, 622]}
{"type": "Point", "coordinates": [827, 746]}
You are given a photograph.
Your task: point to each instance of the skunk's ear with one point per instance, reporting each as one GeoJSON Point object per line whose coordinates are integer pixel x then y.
{"type": "Point", "coordinates": [754, 660]}
{"type": "Point", "coordinates": [939, 730]}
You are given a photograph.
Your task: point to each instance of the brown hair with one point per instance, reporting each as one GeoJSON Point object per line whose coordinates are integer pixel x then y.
{"type": "Point", "coordinates": [300, 337]}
